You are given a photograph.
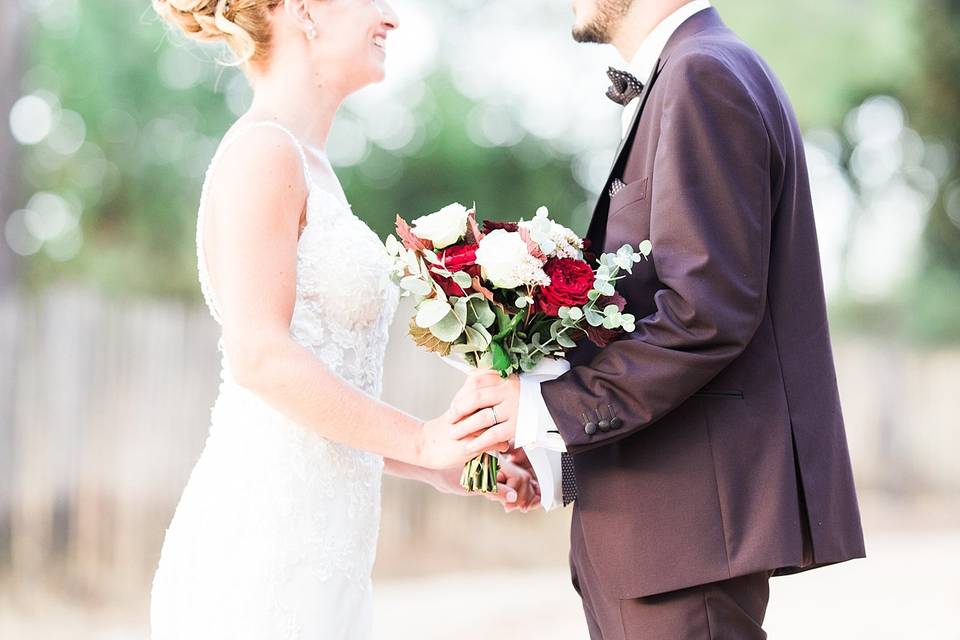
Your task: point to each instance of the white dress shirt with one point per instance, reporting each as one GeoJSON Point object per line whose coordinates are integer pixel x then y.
{"type": "Point", "coordinates": [537, 432]}
{"type": "Point", "coordinates": [645, 59]}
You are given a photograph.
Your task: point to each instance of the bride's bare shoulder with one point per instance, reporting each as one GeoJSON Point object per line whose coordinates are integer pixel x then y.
{"type": "Point", "coordinates": [257, 165]}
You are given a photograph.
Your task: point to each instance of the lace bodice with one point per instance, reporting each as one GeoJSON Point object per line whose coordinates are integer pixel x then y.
{"type": "Point", "coordinates": [345, 299]}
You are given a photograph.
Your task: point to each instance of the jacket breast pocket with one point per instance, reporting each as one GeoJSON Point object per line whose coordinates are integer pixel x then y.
{"type": "Point", "coordinates": [630, 194]}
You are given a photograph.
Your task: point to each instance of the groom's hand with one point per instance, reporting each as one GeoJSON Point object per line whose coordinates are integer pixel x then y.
{"type": "Point", "coordinates": [486, 405]}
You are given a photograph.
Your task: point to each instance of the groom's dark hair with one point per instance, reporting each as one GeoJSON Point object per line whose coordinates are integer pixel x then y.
{"type": "Point", "coordinates": [600, 28]}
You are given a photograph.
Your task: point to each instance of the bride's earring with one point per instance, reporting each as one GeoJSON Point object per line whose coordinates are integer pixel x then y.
{"type": "Point", "coordinates": [311, 32]}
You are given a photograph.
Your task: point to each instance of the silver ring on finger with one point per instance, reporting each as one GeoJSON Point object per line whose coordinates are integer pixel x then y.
{"type": "Point", "coordinates": [496, 420]}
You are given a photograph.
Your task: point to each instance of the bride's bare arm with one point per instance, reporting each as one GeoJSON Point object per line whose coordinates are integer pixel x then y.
{"type": "Point", "coordinates": [256, 201]}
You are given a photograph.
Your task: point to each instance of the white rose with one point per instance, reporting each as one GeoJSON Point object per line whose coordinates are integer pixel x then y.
{"type": "Point", "coordinates": [506, 262]}
{"type": "Point", "coordinates": [443, 228]}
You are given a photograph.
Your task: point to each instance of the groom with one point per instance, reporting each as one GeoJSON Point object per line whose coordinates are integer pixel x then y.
{"type": "Point", "coordinates": [706, 451]}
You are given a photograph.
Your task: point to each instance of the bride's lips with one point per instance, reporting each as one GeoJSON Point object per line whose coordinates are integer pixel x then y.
{"type": "Point", "coordinates": [380, 40]}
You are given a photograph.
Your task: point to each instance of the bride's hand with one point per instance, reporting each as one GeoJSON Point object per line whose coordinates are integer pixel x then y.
{"type": "Point", "coordinates": [521, 479]}
{"type": "Point", "coordinates": [440, 447]}
{"type": "Point", "coordinates": [517, 488]}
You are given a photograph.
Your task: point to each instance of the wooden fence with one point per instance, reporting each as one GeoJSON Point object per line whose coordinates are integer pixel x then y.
{"type": "Point", "coordinates": [104, 407]}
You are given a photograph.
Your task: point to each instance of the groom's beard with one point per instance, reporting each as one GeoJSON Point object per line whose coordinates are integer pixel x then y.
{"type": "Point", "coordinates": [604, 23]}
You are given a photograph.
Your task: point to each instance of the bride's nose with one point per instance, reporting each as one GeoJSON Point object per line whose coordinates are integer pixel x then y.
{"type": "Point", "coordinates": [390, 18]}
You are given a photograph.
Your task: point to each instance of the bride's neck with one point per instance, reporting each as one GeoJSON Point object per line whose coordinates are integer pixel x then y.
{"type": "Point", "coordinates": [301, 99]}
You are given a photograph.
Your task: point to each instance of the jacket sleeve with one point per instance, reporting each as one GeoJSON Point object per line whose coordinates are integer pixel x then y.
{"type": "Point", "coordinates": [710, 224]}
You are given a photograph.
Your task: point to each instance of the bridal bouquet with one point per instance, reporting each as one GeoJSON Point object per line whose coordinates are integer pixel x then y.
{"type": "Point", "coordinates": [506, 294]}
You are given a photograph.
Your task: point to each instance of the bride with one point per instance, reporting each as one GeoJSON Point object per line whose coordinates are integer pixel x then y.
{"type": "Point", "coordinates": [276, 531]}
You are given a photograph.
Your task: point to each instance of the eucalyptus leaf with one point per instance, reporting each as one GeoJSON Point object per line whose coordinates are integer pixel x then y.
{"type": "Point", "coordinates": [480, 329]}
{"type": "Point", "coordinates": [393, 245]}
{"type": "Point", "coordinates": [475, 340]}
{"type": "Point", "coordinates": [576, 313]}
{"type": "Point", "coordinates": [611, 322]}
{"type": "Point", "coordinates": [448, 328]}
{"type": "Point", "coordinates": [431, 257]}
{"type": "Point", "coordinates": [565, 341]}
{"type": "Point", "coordinates": [462, 279]}
{"type": "Point", "coordinates": [414, 284]}
{"type": "Point", "coordinates": [480, 311]}
{"type": "Point", "coordinates": [646, 248]}
{"type": "Point", "coordinates": [610, 310]}
{"type": "Point", "coordinates": [594, 318]}
{"type": "Point", "coordinates": [432, 311]}
{"type": "Point", "coordinates": [460, 310]}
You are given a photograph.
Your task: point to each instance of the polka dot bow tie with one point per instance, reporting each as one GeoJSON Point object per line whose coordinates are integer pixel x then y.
{"type": "Point", "coordinates": [624, 88]}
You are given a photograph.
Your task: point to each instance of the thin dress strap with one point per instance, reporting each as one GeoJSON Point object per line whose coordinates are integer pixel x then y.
{"type": "Point", "coordinates": [205, 286]}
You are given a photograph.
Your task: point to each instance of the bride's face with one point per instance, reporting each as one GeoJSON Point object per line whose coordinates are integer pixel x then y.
{"type": "Point", "coordinates": [351, 36]}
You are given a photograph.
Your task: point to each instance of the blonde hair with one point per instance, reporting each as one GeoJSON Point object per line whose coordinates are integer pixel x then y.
{"type": "Point", "coordinates": [243, 24]}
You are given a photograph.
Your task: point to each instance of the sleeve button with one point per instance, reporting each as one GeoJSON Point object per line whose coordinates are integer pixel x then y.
{"type": "Point", "coordinates": [604, 425]}
{"type": "Point", "coordinates": [590, 428]}
{"type": "Point", "coordinates": [616, 423]}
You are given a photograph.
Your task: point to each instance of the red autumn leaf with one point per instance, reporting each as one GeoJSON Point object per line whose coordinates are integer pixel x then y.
{"type": "Point", "coordinates": [531, 245]}
{"type": "Point", "coordinates": [409, 239]}
{"type": "Point", "coordinates": [479, 288]}
{"type": "Point", "coordinates": [474, 234]}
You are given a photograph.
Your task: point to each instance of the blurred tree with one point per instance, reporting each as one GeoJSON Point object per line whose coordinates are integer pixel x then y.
{"type": "Point", "coordinates": [933, 305]}
{"type": "Point", "coordinates": [11, 63]}
{"type": "Point", "coordinates": [939, 108]}
{"type": "Point", "coordinates": [149, 120]}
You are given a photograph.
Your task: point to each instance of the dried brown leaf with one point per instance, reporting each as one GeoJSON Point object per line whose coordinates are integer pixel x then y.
{"type": "Point", "coordinates": [423, 338]}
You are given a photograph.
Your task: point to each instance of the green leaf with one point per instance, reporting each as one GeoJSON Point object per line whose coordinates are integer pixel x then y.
{"type": "Point", "coordinates": [610, 309]}
{"type": "Point", "coordinates": [415, 284]}
{"type": "Point", "coordinates": [511, 324]}
{"type": "Point", "coordinates": [594, 318]}
{"type": "Point", "coordinates": [460, 310]}
{"type": "Point", "coordinates": [448, 328]}
{"type": "Point", "coordinates": [462, 279]}
{"type": "Point", "coordinates": [476, 341]}
{"type": "Point", "coordinates": [565, 341]}
{"type": "Point", "coordinates": [646, 248]}
{"type": "Point", "coordinates": [501, 359]}
{"type": "Point", "coordinates": [480, 311]}
{"type": "Point", "coordinates": [432, 257]}
{"type": "Point", "coordinates": [431, 311]}
{"type": "Point", "coordinates": [503, 319]}
{"type": "Point", "coordinates": [393, 245]}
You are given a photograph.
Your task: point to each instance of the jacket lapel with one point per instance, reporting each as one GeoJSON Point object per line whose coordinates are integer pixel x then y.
{"type": "Point", "coordinates": [599, 218]}
{"type": "Point", "coordinates": [705, 20]}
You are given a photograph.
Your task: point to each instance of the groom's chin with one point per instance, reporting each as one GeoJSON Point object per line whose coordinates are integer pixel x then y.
{"type": "Point", "coordinates": [589, 33]}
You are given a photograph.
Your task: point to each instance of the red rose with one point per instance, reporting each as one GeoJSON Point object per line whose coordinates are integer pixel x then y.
{"type": "Point", "coordinates": [570, 282]}
{"type": "Point", "coordinates": [457, 258]}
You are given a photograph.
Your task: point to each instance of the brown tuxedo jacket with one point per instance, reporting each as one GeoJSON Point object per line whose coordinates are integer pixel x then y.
{"type": "Point", "coordinates": [730, 455]}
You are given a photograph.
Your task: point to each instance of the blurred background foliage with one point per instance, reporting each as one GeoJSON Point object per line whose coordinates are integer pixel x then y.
{"type": "Point", "coordinates": [115, 121]}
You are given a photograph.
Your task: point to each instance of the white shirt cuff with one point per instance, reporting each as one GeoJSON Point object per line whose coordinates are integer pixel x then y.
{"type": "Point", "coordinates": [538, 435]}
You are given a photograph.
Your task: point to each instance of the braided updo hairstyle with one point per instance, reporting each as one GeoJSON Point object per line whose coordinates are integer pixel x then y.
{"type": "Point", "coordinates": [243, 24]}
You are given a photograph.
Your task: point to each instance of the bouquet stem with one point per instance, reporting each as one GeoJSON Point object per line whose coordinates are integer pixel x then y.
{"type": "Point", "coordinates": [480, 474]}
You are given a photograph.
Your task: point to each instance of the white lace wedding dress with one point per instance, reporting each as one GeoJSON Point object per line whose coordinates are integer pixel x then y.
{"type": "Point", "coordinates": [275, 534]}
